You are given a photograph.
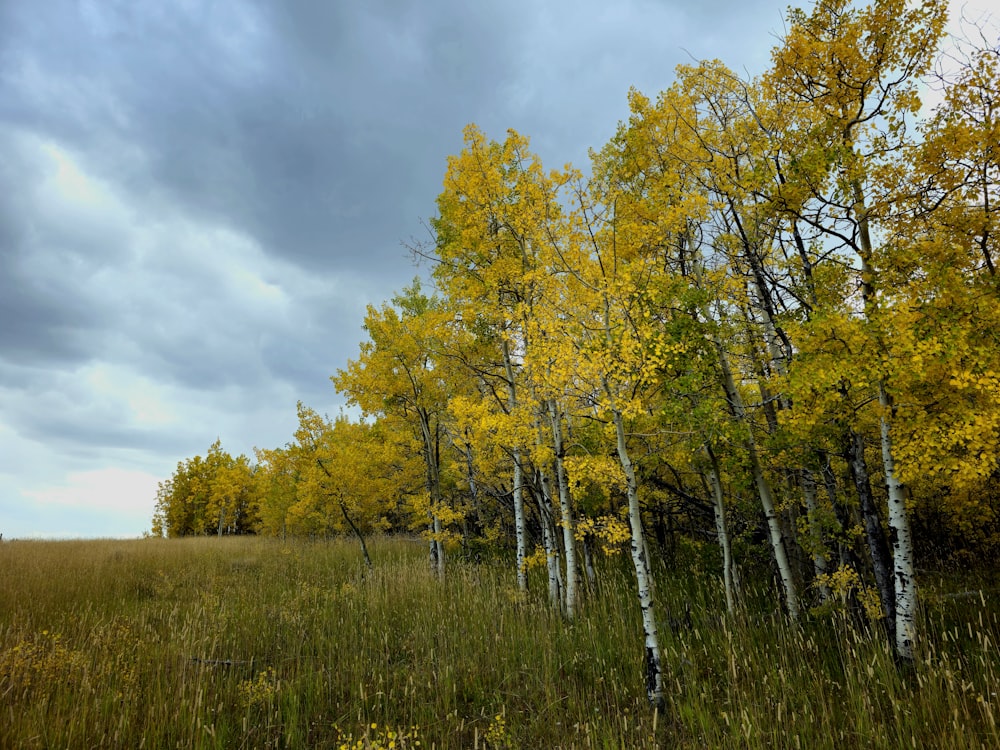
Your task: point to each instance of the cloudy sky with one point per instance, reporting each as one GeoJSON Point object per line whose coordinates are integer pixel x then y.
{"type": "Point", "coordinates": [198, 198]}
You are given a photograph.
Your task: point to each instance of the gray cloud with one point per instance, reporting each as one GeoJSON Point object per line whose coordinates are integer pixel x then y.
{"type": "Point", "coordinates": [201, 198]}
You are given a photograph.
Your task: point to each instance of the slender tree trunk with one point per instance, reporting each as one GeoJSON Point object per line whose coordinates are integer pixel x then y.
{"type": "Point", "coordinates": [640, 559]}
{"type": "Point", "coordinates": [438, 531]}
{"type": "Point", "coordinates": [845, 552]}
{"type": "Point", "coordinates": [588, 563]}
{"type": "Point", "coordinates": [905, 585]}
{"type": "Point", "coordinates": [357, 533]}
{"type": "Point", "coordinates": [777, 344]}
{"type": "Point", "coordinates": [565, 510]}
{"type": "Point", "coordinates": [878, 550]}
{"type": "Point", "coordinates": [902, 545]}
{"type": "Point", "coordinates": [654, 664]}
{"type": "Point", "coordinates": [764, 492]}
{"type": "Point", "coordinates": [820, 564]}
{"type": "Point", "coordinates": [434, 492]}
{"type": "Point", "coordinates": [721, 531]}
{"type": "Point", "coordinates": [343, 509]}
{"type": "Point", "coordinates": [518, 491]}
{"type": "Point", "coordinates": [432, 543]}
{"type": "Point", "coordinates": [473, 497]}
{"type": "Point", "coordinates": [549, 541]}
{"type": "Point", "coordinates": [763, 487]}
{"type": "Point", "coordinates": [649, 561]}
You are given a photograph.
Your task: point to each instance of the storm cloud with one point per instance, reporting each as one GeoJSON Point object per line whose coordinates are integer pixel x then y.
{"type": "Point", "coordinates": [200, 199]}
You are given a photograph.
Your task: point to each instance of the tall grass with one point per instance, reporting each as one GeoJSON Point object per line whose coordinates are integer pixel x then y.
{"type": "Point", "coordinates": [256, 643]}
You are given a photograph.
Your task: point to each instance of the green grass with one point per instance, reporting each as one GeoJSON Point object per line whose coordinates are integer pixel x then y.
{"type": "Point", "coordinates": [256, 643]}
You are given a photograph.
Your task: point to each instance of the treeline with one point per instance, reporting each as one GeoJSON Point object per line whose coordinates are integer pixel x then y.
{"type": "Point", "coordinates": [768, 319]}
{"type": "Point", "coordinates": [335, 477]}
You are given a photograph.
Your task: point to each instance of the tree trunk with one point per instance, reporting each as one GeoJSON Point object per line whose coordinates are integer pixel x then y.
{"type": "Point", "coordinates": [654, 666]}
{"type": "Point", "coordinates": [434, 492]}
{"type": "Point", "coordinates": [902, 545]}
{"type": "Point", "coordinates": [878, 550]}
{"type": "Point", "coordinates": [763, 486]}
{"type": "Point", "coordinates": [473, 497]}
{"type": "Point", "coordinates": [721, 531]}
{"type": "Point", "coordinates": [640, 560]}
{"type": "Point", "coordinates": [588, 563]}
{"type": "Point", "coordinates": [845, 552]}
{"type": "Point", "coordinates": [549, 540]}
{"type": "Point", "coordinates": [357, 532]}
{"type": "Point", "coordinates": [905, 586]}
{"type": "Point", "coordinates": [518, 492]}
{"type": "Point", "coordinates": [820, 565]}
{"type": "Point", "coordinates": [438, 547]}
{"type": "Point", "coordinates": [565, 511]}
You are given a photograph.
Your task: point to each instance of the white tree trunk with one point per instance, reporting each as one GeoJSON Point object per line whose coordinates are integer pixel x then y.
{"type": "Point", "coordinates": [721, 530]}
{"type": "Point", "coordinates": [434, 492]}
{"type": "Point", "coordinates": [779, 364]}
{"type": "Point", "coordinates": [901, 540]}
{"type": "Point", "coordinates": [518, 491]}
{"type": "Point", "coordinates": [820, 565]}
{"type": "Point", "coordinates": [588, 563]}
{"type": "Point", "coordinates": [763, 487]}
{"type": "Point", "coordinates": [439, 548]}
{"type": "Point", "coordinates": [549, 540]}
{"type": "Point", "coordinates": [640, 560]}
{"type": "Point", "coordinates": [905, 585]}
{"type": "Point", "coordinates": [565, 510]}
{"type": "Point", "coordinates": [522, 574]}
{"type": "Point", "coordinates": [654, 665]}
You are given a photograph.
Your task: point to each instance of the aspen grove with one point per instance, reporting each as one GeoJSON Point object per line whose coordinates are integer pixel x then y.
{"type": "Point", "coordinates": [764, 325]}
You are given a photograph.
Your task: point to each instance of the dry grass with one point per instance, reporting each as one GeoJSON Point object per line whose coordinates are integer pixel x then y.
{"type": "Point", "coordinates": [258, 643]}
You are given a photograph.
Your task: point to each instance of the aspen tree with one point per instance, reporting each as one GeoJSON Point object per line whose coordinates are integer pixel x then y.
{"type": "Point", "coordinates": [396, 377]}
{"type": "Point", "coordinates": [556, 417]}
{"type": "Point", "coordinates": [493, 213]}
{"type": "Point", "coordinates": [182, 499]}
{"type": "Point", "coordinates": [851, 75]}
{"type": "Point", "coordinates": [596, 333]}
{"type": "Point", "coordinates": [730, 128]}
{"type": "Point", "coordinates": [665, 152]}
{"type": "Point", "coordinates": [233, 495]}
{"type": "Point", "coordinates": [764, 491]}
{"type": "Point", "coordinates": [721, 527]}
{"type": "Point", "coordinates": [212, 495]}
{"type": "Point", "coordinates": [947, 288]}
{"type": "Point", "coordinates": [278, 473]}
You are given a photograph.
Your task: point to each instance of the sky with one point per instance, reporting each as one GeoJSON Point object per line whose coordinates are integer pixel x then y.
{"type": "Point", "coordinates": [199, 198]}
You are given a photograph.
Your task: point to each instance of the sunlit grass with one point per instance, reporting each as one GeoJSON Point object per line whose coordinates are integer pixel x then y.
{"type": "Point", "coordinates": [245, 642]}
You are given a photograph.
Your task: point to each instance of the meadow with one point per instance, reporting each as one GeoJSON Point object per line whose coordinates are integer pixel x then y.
{"type": "Point", "coordinates": [259, 643]}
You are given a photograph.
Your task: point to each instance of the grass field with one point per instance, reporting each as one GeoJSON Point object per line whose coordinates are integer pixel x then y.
{"type": "Point", "coordinates": [257, 643]}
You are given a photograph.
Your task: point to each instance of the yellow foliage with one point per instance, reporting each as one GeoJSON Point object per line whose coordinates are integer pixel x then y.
{"type": "Point", "coordinates": [375, 737]}
{"type": "Point", "coordinates": [536, 559]}
{"type": "Point", "coordinates": [261, 690]}
{"type": "Point", "coordinates": [610, 532]}
{"type": "Point", "coordinates": [496, 735]}
{"type": "Point", "coordinates": [602, 471]}
{"type": "Point", "coordinates": [843, 582]}
{"type": "Point", "coordinates": [41, 663]}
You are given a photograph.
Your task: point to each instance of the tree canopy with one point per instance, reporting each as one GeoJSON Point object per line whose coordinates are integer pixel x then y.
{"type": "Point", "coordinates": [766, 320]}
